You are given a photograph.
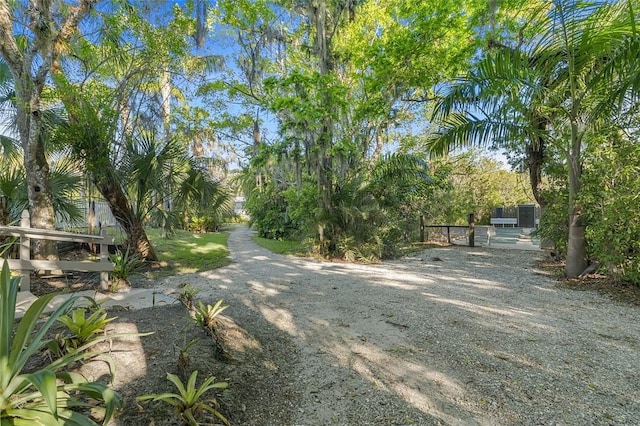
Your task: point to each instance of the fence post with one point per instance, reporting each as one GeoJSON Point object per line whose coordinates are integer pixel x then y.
{"type": "Point", "coordinates": [422, 228]}
{"type": "Point", "coordinates": [104, 257]}
{"type": "Point", "coordinates": [25, 252]}
{"type": "Point", "coordinates": [472, 230]}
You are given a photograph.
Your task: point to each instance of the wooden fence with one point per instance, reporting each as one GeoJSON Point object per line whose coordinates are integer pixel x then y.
{"type": "Point", "coordinates": [25, 264]}
{"type": "Point", "coordinates": [469, 230]}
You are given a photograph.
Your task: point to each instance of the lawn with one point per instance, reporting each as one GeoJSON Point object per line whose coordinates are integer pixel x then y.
{"type": "Point", "coordinates": [280, 246]}
{"type": "Point", "coordinates": [187, 252]}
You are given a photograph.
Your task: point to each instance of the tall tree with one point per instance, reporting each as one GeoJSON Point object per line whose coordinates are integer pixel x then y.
{"type": "Point", "coordinates": [550, 90]}
{"type": "Point", "coordinates": [121, 124]}
{"type": "Point", "coordinates": [33, 37]}
{"type": "Point", "coordinates": [342, 80]}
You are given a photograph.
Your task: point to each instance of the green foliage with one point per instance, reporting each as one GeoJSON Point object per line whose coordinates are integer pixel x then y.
{"type": "Point", "coordinates": [301, 208]}
{"type": "Point", "coordinates": [125, 264]}
{"type": "Point", "coordinates": [119, 131]}
{"type": "Point", "coordinates": [554, 226]}
{"type": "Point", "coordinates": [374, 206]}
{"type": "Point", "coordinates": [188, 252]}
{"type": "Point", "coordinates": [280, 246]}
{"type": "Point", "coordinates": [269, 214]}
{"type": "Point", "coordinates": [341, 102]}
{"type": "Point", "coordinates": [205, 315]}
{"type": "Point", "coordinates": [439, 40]}
{"type": "Point", "coordinates": [370, 206]}
{"type": "Point", "coordinates": [189, 402]}
{"type": "Point", "coordinates": [64, 185]}
{"type": "Point", "coordinates": [206, 223]}
{"type": "Point", "coordinates": [471, 182]}
{"type": "Point", "coordinates": [187, 296]}
{"type": "Point", "coordinates": [198, 224]}
{"type": "Point", "coordinates": [13, 188]}
{"type": "Point", "coordinates": [235, 218]}
{"type": "Point", "coordinates": [610, 197]}
{"type": "Point", "coordinates": [51, 395]}
{"type": "Point", "coordinates": [270, 223]}
{"type": "Point", "coordinates": [6, 244]}
{"type": "Point", "coordinates": [155, 171]}
{"type": "Point", "coordinates": [81, 328]}
{"type": "Point", "coordinates": [559, 90]}
{"type": "Point", "coordinates": [364, 251]}
{"type": "Point", "coordinates": [184, 361]}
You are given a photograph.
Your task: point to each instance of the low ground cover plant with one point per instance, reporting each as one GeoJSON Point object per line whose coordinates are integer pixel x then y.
{"type": "Point", "coordinates": [53, 394]}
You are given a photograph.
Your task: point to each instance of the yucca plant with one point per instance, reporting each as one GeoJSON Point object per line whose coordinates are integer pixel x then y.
{"type": "Point", "coordinates": [49, 396]}
{"type": "Point", "coordinates": [188, 401]}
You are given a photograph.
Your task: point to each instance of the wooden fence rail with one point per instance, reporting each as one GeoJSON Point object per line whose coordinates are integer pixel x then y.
{"type": "Point", "coordinates": [470, 230]}
{"type": "Point", "coordinates": [25, 264]}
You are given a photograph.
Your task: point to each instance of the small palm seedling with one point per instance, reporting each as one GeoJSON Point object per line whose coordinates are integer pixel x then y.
{"type": "Point", "coordinates": [48, 396]}
{"type": "Point", "coordinates": [205, 315]}
{"type": "Point", "coordinates": [189, 402]}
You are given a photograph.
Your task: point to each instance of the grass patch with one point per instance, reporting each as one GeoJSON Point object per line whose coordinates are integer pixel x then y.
{"type": "Point", "coordinates": [280, 246]}
{"type": "Point", "coordinates": [187, 252]}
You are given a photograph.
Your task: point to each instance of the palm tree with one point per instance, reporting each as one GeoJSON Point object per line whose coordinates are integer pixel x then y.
{"type": "Point", "coordinates": [551, 91]}
{"type": "Point", "coordinates": [136, 172]}
{"type": "Point", "coordinates": [156, 170]}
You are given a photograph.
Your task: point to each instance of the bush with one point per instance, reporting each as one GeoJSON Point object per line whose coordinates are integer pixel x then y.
{"type": "Point", "coordinates": [49, 395]}
{"type": "Point", "coordinates": [610, 196]}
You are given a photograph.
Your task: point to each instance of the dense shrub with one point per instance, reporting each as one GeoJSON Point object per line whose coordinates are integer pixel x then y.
{"type": "Point", "coordinates": [611, 195]}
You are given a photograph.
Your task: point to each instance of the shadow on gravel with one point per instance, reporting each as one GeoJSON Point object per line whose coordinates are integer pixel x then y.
{"type": "Point", "coordinates": [454, 335]}
{"type": "Point", "coordinates": [259, 377]}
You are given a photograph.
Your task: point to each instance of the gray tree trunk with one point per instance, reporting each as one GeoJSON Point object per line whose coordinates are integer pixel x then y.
{"type": "Point", "coordinates": [30, 67]}
{"type": "Point", "coordinates": [576, 252]}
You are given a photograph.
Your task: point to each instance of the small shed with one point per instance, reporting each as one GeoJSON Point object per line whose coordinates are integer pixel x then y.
{"type": "Point", "coordinates": [522, 216]}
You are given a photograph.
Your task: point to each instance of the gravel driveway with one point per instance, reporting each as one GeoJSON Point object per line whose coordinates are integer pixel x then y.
{"type": "Point", "coordinates": [451, 335]}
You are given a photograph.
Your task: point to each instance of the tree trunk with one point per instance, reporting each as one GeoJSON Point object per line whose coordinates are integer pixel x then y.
{"type": "Point", "coordinates": [31, 56]}
{"type": "Point", "coordinates": [576, 253]}
{"type": "Point", "coordinates": [37, 172]}
{"type": "Point", "coordinates": [137, 239]}
{"type": "Point", "coordinates": [576, 245]}
{"type": "Point", "coordinates": [535, 161]}
{"type": "Point", "coordinates": [40, 198]}
{"type": "Point", "coordinates": [166, 202]}
{"type": "Point", "coordinates": [379, 145]}
{"type": "Point", "coordinates": [324, 167]}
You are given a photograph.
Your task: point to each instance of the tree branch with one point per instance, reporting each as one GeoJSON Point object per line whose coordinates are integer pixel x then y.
{"type": "Point", "coordinates": [8, 46]}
